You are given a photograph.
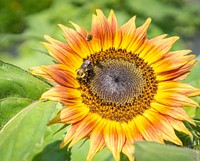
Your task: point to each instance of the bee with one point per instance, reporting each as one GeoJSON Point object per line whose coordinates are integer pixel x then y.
{"type": "Point", "coordinates": [86, 66]}
{"type": "Point", "coordinates": [89, 38]}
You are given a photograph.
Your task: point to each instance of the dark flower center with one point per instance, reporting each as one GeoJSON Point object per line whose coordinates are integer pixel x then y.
{"type": "Point", "coordinates": [117, 85]}
{"type": "Point", "coordinates": [117, 82]}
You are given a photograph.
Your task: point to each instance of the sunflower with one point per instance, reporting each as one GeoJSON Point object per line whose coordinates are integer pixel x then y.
{"type": "Point", "coordinates": [117, 86]}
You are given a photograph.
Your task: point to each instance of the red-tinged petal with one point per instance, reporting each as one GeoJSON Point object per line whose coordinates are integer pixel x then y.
{"type": "Point", "coordinates": [70, 134]}
{"type": "Point", "coordinates": [63, 56]}
{"type": "Point", "coordinates": [178, 87]}
{"type": "Point", "coordinates": [147, 130]}
{"type": "Point", "coordinates": [140, 37]}
{"type": "Point", "coordinates": [85, 127]}
{"type": "Point", "coordinates": [177, 74]}
{"type": "Point", "coordinates": [162, 125]}
{"type": "Point", "coordinates": [170, 64]}
{"type": "Point", "coordinates": [96, 43]}
{"type": "Point", "coordinates": [175, 112]}
{"type": "Point", "coordinates": [70, 115]}
{"type": "Point", "coordinates": [114, 138]}
{"type": "Point", "coordinates": [150, 46]}
{"type": "Point", "coordinates": [80, 30]}
{"type": "Point", "coordinates": [57, 43]}
{"type": "Point", "coordinates": [97, 141]}
{"type": "Point", "coordinates": [175, 54]}
{"type": "Point", "coordinates": [128, 33]}
{"type": "Point", "coordinates": [131, 131]}
{"type": "Point", "coordinates": [105, 30]}
{"type": "Point", "coordinates": [115, 30]}
{"type": "Point", "coordinates": [174, 100]}
{"type": "Point", "coordinates": [57, 73]}
{"type": "Point", "coordinates": [158, 49]}
{"type": "Point", "coordinates": [62, 94]}
{"type": "Point", "coordinates": [76, 42]}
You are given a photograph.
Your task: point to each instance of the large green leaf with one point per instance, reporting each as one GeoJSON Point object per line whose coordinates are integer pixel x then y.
{"type": "Point", "coordinates": [18, 89]}
{"type": "Point", "coordinates": [149, 151]}
{"type": "Point", "coordinates": [21, 134]}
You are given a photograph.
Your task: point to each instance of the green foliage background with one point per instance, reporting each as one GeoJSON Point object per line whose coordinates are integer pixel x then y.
{"type": "Point", "coordinates": [23, 23]}
{"type": "Point", "coordinates": [23, 117]}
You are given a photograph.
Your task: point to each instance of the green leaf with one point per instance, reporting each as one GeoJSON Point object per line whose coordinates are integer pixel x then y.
{"type": "Point", "coordinates": [18, 89]}
{"type": "Point", "coordinates": [53, 152]}
{"type": "Point", "coordinates": [21, 134]}
{"type": "Point", "coordinates": [149, 151]}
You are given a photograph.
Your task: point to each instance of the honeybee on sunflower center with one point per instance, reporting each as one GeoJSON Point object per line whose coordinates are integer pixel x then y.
{"type": "Point", "coordinates": [86, 66]}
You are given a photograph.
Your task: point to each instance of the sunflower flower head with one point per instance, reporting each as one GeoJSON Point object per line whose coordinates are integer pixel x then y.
{"type": "Point", "coordinates": [117, 86]}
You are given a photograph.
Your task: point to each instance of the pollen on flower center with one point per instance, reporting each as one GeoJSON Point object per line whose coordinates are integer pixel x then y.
{"type": "Point", "coordinates": [119, 85]}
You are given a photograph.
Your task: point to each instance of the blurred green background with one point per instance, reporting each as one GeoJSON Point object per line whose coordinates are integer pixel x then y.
{"type": "Point", "coordinates": [23, 23]}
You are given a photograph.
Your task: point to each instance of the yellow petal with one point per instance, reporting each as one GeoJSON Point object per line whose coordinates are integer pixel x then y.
{"type": "Point", "coordinates": [96, 140]}
{"type": "Point", "coordinates": [85, 127]}
{"type": "Point", "coordinates": [114, 138]}
{"type": "Point", "coordinates": [69, 115]}
{"type": "Point", "coordinates": [62, 94]}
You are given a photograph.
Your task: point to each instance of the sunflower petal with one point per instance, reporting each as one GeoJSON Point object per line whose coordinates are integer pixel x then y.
{"type": "Point", "coordinates": [162, 125]}
{"type": "Point", "coordinates": [147, 130]}
{"type": "Point", "coordinates": [76, 42]}
{"type": "Point", "coordinates": [69, 115]}
{"type": "Point", "coordinates": [128, 149]}
{"type": "Point", "coordinates": [115, 30]}
{"type": "Point", "coordinates": [96, 140]}
{"type": "Point", "coordinates": [140, 37]}
{"type": "Point", "coordinates": [62, 94]}
{"type": "Point", "coordinates": [114, 138]}
{"type": "Point", "coordinates": [175, 112]}
{"type": "Point", "coordinates": [179, 87]}
{"type": "Point", "coordinates": [174, 100]}
{"type": "Point", "coordinates": [85, 127]}
{"type": "Point", "coordinates": [128, 32]}
{"type": "Point", "coordinates": [58, 74]}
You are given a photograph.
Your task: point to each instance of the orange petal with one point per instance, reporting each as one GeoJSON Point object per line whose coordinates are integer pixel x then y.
{"type": "Point", "coordinates": [57, 43]}
{"type": "Point", "coordinates": [175, 112]}
{"type": "Point", "coordinates": [177, 74]}
{"type": "Point", "coordinates": [128, 33]}
{"type": "Point", "coordinates": [159, 49]}
{"type": "Point", "coordinates": [80, 30]}
{"type": "Point", "coordinates": [96, 140]}
{"type": "Point", "coordinates": [173, 99]}
{"type": "Point", "coordinates": [140, 36]}
{"type": "Point", "coordinates": [115, 30]}
{"type": "Point", "coordinates": [70, 115]}
{"type": "Point", "coordinates": [178, 87]}
{"type": "Point", "coordinates": [62, 94]}
{"type": "Point", "coordinates": [85, 127]}
{"type": "Point", "coordinates": [70, 134]}
{"type": "Point", "coordinates": [147, 130]}
{"type": "Point", "coordinates": [150, 47]}
{"type": "Point", "coordinates": [101, 32]}
{"type": "Point", "coordinates": [57, 73]}
{"type": "Point", "coordinates": [76, 42]}
{"type": "Point", "coordinates": [63, 56]}
{"type": "Point", "coordinates": [105, 30]}
{"type": "Point", "coordinates": [171, 65]}
{"type": "Point", "coordinates": [114, 138]}
{"type": "Point", "coordinates": [162, 125]}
